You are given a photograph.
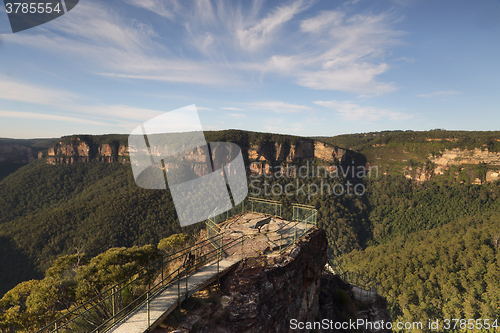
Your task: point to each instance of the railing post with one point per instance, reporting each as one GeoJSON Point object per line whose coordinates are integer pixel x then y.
{"type": "Point", "coordinates": [56, 329]}
{"type": "Point", "coordinates": [113, 301]}
{"type": "Point", "coordinates": [185, 269]}
{"type": "Point", "coordinates": [179, 289]}
{"type": "Point", "coordinates": [218, 260]}
{"type": "Point", "coordinates": [149, 317]}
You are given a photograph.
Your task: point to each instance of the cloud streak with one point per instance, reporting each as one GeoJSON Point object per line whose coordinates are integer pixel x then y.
{"type": "Point", "coordinates": [51, 117]}
{"type": "Point", "coordinates": [440, 93]}
{"type": "Point", "coordinates": [231, 109]}
{"type": "Point", "coordinates": [72, 105]}
{"type": "Point", "coordinates": [355, 112]}
{"type": "Point", "coordinates": [28, 93]}
{"type": "Point", "coordinates": [280, 107]}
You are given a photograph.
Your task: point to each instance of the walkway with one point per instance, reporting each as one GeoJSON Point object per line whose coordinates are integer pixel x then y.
{"type": "Point", "coordinates": [268, 238]}
{"type": "Point", "coordinates": [164, 302]}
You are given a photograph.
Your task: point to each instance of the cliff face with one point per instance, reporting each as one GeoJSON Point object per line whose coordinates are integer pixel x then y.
{"type": "Point", "coordinates": [267, 154]}
{"type": "Point", "coordinates": [83, 151]}
{"type": "Point", "coordinates": [267, 293]}
{"type": "Point", "coordinates": [281, 152]}
{"type": "Point", "coordinates": [460, 161]}
{"type": "Point", "coordinates": [458, 157]}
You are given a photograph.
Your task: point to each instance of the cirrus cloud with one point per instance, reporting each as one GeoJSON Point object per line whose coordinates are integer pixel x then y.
{"type": "Point", "coordinates": [440, 93]}
{"type": "Point", "coordinates": [355, 112]}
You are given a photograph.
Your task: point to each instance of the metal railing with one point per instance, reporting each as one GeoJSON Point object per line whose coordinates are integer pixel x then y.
{"type": "Point", "coordinates": [122, 295]}
{"type": "Point", "coordinates": [111, 306]}
{"type": "Point", "coordinates": [182, 271]}
{"type": "Point", "coordinates": [301, 213]}
{"type": "Point", "coordinates": [366, 287]}
{"type": "Point", "coordinates": [249, 205]}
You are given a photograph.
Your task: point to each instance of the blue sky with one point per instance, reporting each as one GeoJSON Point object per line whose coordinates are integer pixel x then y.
{"type": "Point", "coordinates": [306, 68]}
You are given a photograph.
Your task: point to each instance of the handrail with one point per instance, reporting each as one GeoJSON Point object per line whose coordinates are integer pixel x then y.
{"type": "Point", "coordinates": [141, 272]}
{"type": "Point", "coordinates": [184, 269]}
{"type": "Point", "coordinates": [303, 206]}
{"type": "Point", "coordinates": [151, 292]}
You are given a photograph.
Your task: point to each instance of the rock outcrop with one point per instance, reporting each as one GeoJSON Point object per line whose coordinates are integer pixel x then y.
{"type": "Point", "coordinates": [302, 149]}
{"type": "Point", "coordinates": [267, 293]}
{"type": "Point", "coordinates": [460, 160]}
{"type": "Point", "coordinates": [85, 151]}
{"type": "Point", "coordinates": [459, 156]}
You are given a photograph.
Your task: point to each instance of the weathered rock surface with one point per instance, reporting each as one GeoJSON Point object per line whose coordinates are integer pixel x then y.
{"type": "Point", "coordinates": [459, 158]}
{"type": "Point", "coordinates": [269, 154]}
{"type": "Point", "coordinates": [82, 151]}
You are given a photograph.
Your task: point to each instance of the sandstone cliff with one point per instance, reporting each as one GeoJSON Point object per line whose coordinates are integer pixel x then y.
{"type": "Point", "coordinates": [268, 154]}
{"type": "Point", "coordinates": [85, 151]}
{"type": "Point", "coordinates": [302, 149]}
{"type": "Point", "coordinates": [459, 164]}
{"type": "Point", "coordinates": [264, 294]}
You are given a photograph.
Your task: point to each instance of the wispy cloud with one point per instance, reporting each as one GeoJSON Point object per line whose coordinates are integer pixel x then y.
{"type": "Point", "coordinates": [355, 112]}
{"type": "Point", "coordinates": [261, 33]}
{"type": "Point", "coordinates": [235, 115]}
{"type": "Point", "coordinates": [279, 124]}
{"type": "Point", "coordinates": [440, 93]}
{"type": "Point", "coordinates": [346, 52]}
{"type": "Point", "coordinates": [202, 108]}
{"type": "Point", "coordinates": [163, 8]}
{"type": "Point", "coordinates": [51, 117]}
{"type": "Point", "coordinates": [113, 46]}
{"type": "Point", "coordinates": [69, 107]}
{"type": "Point", "coordinates": [280, 107]}
{"type": "Point", "coordinates": [231, 108]}
{"type": "Point", "coordinates": [18, 91]}
{"type": "Point", "coordinates": [222, 44]}
{"type": "Point", "coordinates": [325, 20]}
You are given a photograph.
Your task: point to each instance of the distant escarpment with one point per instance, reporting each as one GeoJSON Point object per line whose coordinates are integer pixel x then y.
{"type": "Point", "coordinates": [15, 153]}
{"type": "Point", "coordinates": [85, 149]}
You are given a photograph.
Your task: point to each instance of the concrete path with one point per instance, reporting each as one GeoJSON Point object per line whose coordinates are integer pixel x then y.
{"type": "Point", "coordinates": [166, 301]}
